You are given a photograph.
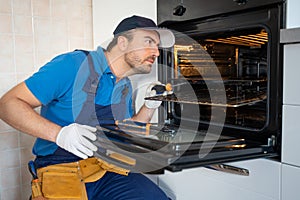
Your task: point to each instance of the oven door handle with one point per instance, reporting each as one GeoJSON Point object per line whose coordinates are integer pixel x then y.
{"type": "Point", "coordinates": [229, 169]}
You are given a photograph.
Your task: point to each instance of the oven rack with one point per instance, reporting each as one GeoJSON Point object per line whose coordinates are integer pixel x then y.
{"type": "Point", "coordinates": [233, 101]}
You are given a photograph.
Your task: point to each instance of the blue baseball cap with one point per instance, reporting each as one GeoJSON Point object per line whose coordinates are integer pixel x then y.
{"type": "Point", "coordinates": [167, 38]}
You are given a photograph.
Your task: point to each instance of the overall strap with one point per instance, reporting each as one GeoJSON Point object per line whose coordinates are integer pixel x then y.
{"type": "Point", "coordinates": [91, 84]}
{"type": "Point", "coordinates": [87, 114]}
{"type": "Point", "coordinates": [90, 113]}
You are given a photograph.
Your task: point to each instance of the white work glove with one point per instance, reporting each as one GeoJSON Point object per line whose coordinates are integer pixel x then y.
{"type": "Point", "coordinates": [76, 138]}
{"type": "Point", "coordinates": [151, 93]}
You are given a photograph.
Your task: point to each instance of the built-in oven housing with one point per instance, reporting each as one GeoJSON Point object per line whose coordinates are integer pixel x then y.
{"type": "Point", "coordinates": [226, 72]}
{"type": "Point", "coordinates": [235, 44]}
{"type": "Point", "coordinates": [239, 49]}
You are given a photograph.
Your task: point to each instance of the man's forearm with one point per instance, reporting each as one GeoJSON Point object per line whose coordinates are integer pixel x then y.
{"type": "Point", "coordinates": [22, 116]}
{"type": "Point", "coordinates": [144, 115]}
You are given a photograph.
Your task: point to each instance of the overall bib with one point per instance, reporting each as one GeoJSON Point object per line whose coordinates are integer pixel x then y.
{"type": "Point", "coordinates": [112, 185]}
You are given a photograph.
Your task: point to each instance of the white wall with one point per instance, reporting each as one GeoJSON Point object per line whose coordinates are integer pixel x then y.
{"type": "Point", "coordinates": [107, 14]}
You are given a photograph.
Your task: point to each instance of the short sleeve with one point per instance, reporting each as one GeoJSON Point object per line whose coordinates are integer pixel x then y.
{"type": "Point", "coordinates": [53, 80]}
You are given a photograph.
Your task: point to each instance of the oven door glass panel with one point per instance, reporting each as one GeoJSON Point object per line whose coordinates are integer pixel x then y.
{"type": "Point", "coordinates": [173, 148]}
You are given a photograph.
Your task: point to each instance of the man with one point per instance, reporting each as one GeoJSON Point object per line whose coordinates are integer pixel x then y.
{"type": "Point", "coordinates": [78, 91]}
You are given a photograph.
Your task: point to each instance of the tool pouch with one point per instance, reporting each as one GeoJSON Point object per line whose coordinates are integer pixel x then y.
{"type": "Point", "coordinates": [62, 181]}
{"type": "Point", "coordinates": [66, 185]}
{"type": "Point", "coordinates": [67, 181]}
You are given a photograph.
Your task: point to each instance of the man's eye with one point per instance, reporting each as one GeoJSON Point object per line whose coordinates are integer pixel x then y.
{"type": "Point", "coordinates": [149, 42]}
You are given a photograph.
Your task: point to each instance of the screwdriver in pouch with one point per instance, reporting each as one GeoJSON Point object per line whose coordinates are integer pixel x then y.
{"type": "Point", "coordinates": [35, 184]}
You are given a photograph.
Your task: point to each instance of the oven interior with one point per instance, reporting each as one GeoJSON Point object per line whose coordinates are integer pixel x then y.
{"type": "Point", "coordinates": [227, 71]}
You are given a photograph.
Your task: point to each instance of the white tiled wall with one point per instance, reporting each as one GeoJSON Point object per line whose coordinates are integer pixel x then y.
{"type": "Point", "coordinates": [31, 33]}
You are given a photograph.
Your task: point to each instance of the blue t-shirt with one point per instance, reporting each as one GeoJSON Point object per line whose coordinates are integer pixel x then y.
{"type": "Point", "coordinates": [58, 86]}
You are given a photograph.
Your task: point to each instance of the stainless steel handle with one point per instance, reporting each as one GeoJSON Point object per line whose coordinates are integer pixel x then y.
{"type": "Point", "coordinates": [229, 169]}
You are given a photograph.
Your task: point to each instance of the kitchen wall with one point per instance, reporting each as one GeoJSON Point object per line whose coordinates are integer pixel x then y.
{"type": "Point", "coordinates": [31, 33]}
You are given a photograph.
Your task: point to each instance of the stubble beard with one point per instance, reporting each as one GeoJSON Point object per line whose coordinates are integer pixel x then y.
{"type": "Point", "coordinates": [136, 64]}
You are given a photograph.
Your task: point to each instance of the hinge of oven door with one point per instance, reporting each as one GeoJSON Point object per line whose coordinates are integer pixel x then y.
{"type": "Point", "coordinates": [272, 141]}
{"type": "Point", "coordinates": [229, 169]}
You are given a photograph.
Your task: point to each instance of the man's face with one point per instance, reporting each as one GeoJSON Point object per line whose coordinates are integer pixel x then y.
{"type": "Point", "coordinates": [142, 51]}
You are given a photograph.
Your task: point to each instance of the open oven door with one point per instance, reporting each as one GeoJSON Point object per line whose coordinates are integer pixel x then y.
{"type": "Point", "coordinates": [150, 148]}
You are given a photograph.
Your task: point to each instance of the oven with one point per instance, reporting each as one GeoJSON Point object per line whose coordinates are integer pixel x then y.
{"type": "Point", "coordinates": [226, 73]}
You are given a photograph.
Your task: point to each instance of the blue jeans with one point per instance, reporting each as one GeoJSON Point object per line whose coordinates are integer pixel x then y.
{"type": "Point", "coordinates": [111, 186]}
{"type": "Point", "coordinates": [114, 186]}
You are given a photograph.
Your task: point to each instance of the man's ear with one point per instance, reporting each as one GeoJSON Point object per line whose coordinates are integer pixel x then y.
{"type": "Point", "coordinates": [122, 43]}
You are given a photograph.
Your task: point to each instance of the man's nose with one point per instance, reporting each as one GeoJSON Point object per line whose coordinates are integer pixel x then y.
{"type": "Point", "coordinates": [155, 51]}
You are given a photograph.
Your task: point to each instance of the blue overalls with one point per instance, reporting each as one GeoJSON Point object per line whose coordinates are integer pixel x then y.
{"type": "Point", "coordinates": [111, 186]}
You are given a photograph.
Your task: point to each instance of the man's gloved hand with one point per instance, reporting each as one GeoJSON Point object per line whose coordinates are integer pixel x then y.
{"type": "Point", "coordinates": [150, 92]}
{"type": "Point", "coordinates": [75, 138]}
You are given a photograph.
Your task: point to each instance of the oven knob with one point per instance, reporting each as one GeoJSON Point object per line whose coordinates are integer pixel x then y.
{"type": "Point", "coordinates": [241, 2]}
{"type": "Point", "coordinates": [179, 10]}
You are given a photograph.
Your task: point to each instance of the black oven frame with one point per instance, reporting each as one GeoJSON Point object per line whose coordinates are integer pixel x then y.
{"type": "Point", "coordinates": [272, 19]}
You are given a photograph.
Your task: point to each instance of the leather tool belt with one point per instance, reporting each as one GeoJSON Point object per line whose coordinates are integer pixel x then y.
{"type": "Point", "coordinates": [67, 180]}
